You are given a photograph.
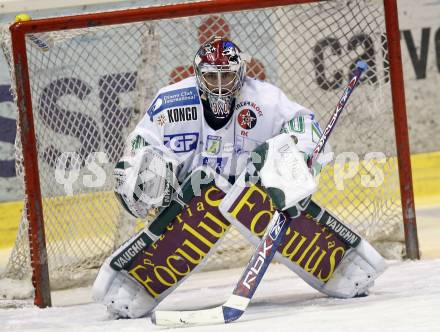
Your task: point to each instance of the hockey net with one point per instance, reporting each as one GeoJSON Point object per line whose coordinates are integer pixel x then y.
{"type": "Point", "coordinates": [91, 85]}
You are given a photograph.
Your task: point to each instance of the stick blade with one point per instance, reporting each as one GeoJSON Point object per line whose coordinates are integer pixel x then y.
{"type": "Point", "coordinates": [188, 318]}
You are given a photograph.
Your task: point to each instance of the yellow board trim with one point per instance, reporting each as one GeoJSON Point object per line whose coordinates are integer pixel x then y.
{"type": "Point", "coordinates": [10, 213]}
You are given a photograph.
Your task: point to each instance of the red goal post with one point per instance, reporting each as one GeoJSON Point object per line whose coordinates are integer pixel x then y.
{"type": "Point", "coordinates": [21, 32]}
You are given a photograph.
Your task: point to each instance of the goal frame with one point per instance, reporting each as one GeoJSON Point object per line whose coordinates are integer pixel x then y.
{"type": "Point", "coordinates": [34, 208]}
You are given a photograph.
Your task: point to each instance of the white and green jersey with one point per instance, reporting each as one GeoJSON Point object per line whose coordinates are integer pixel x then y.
{"type": "Point", "coordinates": [175, 122]}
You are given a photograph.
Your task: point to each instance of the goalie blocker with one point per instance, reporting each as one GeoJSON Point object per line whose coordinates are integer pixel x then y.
{"type": "Point", "coordinates": [323, 251]}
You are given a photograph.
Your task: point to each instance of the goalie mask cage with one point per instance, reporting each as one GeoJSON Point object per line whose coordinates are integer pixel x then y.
{"type": "Point", "coordinates": [82, 82]}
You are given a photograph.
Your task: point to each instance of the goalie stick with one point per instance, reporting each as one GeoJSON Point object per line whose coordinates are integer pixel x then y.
{"type": "Point", "coordinates": [242, 294]}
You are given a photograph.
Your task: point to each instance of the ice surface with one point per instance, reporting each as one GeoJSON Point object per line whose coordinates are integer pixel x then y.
{"type": "Point", "coordinates": [405, 298]}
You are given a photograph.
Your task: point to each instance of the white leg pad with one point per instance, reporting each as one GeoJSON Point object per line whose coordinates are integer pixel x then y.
{"type": "Point", "coordinates": [122, 296]}
{"type": "Point", "coordinates": [356, 273]}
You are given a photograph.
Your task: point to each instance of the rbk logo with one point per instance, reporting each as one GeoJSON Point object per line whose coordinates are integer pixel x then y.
{"type": "Point", "coordinates": [276, 229]}
{"type": "Point", "coordinates": [252, 274]}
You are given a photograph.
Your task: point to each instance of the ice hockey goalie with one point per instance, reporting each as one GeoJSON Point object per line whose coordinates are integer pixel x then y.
{"type": "Point", "coordinates": [194, 156]}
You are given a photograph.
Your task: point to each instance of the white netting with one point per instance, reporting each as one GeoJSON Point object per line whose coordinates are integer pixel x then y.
{"type": "Point", "coordinates": [90, 86]}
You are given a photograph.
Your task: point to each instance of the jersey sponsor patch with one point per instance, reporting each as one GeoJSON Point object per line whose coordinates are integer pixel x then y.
{"type": "Point", "coordinates": [213, 144]}
{"type": "Point", "coordinates": [161, 120]}
{"type": "Point", "coordinates": [247, 114]}
{"type": "Point", "coordinates": [179, 114]}
{"type": "Point", "coordinates": [181, 98]}
{"type": "Point", "coordinates": [180, 143]}
{"type": "Point", "coordinates": [247, 119]}
{"type": "Point", "coordinates": [249, 105]}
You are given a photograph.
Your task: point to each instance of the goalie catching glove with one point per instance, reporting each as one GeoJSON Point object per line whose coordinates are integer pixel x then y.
{"type": "Point", "coordinates": [145, 179]}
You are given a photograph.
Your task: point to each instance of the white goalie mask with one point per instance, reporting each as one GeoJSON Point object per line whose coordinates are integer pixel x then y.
{"type": "Point", "coordinates": [220, 69]}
